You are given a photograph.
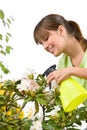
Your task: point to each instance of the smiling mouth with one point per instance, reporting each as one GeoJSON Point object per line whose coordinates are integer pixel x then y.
{"type": "Point", "coordinates": [51, 50]}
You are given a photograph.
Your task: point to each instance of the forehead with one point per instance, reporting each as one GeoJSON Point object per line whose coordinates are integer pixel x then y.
{"type": "Point", "coordinates": [42, 34]}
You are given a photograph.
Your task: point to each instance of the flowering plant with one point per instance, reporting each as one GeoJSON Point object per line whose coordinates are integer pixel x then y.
{"type": "Point", "coordinates": [29, 104]}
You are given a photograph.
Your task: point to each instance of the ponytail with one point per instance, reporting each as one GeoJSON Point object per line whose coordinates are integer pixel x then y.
{"type": "Point", "coordinates": [78, 34]}
{"type": "Point", "coordinates": [76, 30]}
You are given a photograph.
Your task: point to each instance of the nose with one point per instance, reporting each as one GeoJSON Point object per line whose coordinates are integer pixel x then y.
{"type": "Point", "coordinates": [45, 46]}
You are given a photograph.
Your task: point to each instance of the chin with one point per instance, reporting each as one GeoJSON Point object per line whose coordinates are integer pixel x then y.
{"type": "Point", "coordinates": [55, 55]}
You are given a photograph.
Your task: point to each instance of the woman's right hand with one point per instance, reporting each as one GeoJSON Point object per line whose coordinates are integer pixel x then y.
{"type": "Point", "coordinates": [59, 75]}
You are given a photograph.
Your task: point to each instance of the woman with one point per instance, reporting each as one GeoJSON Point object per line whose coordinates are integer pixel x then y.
{"type": "Point", "coordinates": [60, 36]}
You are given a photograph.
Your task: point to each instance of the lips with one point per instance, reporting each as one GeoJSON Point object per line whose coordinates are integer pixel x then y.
{"type": "Point", "coordinates": [51, 49]}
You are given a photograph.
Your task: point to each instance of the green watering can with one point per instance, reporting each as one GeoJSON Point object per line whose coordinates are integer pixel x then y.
{"type": "Point", "coordinates": [72, 94]}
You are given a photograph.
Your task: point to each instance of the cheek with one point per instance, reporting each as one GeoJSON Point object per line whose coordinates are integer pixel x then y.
{"type": "Point", "coordinates": [58, 50]}
{"type": "Point", "coordinates": [59, 44]}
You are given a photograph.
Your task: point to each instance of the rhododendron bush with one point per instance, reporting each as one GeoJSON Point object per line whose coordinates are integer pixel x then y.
{"type": "Point", "coordinates": [30, 104]}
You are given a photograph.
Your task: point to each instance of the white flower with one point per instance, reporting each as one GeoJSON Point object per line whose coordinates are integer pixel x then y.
{"type": "Point", "coordinates": [57, 108]}
{"type": "Point", "coordinates": [54, 85]}
{"type": "Point", "coordinates": [29, 110]}
{"type": "Point", "coordinates": [54, 111]}
{"type": "Point", "coordinates": [25, 85]}
{"type": "Point", "coordinates": [39, 115]}
{"type": "Point", "coordinates": [28, 72]}
{"type": "Point", "coordinates": [37, 125]}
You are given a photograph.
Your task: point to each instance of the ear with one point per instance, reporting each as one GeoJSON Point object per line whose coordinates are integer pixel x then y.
{"type": "Point", "coordinates": [61, 30]}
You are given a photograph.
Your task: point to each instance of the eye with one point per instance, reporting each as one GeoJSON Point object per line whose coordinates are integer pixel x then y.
{"type": "Point", "coordinates": [46, 38]}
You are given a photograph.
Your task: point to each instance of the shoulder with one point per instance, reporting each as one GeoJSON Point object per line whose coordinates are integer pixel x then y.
{"type": "Point", "coordinates": [64, 61]}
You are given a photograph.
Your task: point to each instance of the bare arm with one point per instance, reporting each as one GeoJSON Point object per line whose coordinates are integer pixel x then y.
{"type": "Point", "coordinates": [79, 72]}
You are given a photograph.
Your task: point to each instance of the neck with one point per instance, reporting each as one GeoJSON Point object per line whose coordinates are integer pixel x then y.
{"type": "Point", "coordinates": [75, 52]}
{"type": "Point", "coordinates": [78, 59]}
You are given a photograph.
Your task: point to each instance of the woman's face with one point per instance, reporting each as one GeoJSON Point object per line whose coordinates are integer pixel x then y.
{"type": "Point", "coordinates": [54, 43]}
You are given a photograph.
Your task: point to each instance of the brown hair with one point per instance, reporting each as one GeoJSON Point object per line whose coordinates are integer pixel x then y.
{"type": "Point", "coordinates": [52, 22]}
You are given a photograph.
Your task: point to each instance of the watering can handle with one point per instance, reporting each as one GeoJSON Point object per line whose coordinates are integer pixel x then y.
{"type": "Point", "coordinates": [49, 70]}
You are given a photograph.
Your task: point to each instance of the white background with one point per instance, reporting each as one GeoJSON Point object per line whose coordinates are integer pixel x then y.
{"type": "Point", "coordinates": [27, 13]}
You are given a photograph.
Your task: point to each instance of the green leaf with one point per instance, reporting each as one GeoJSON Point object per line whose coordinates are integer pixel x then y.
{"type": "Point", "coordinates": [2, 103]}
{"type": "Point", "coordinates": [14, 121]}
{"type": "Point", "coordinates": [41, 99]}
{"type": "Point", "coordinates": [1, 36]}
{"type": "Point", "coordinates": [8, 49]}
{"type": "Point", "coordinates": [36, 107]}
{"type": "Point", "coordinates": [6, 38]}
{"type": "Point", "coordinates": [3, 123]}
{"type": "Point", "coordinates": [9, 127]}
{"type": "Point", "coordinates": [49, 125]}
{"type": "Point", "coordinates": [2, 52]}
{"type": "Point", "coordinates": [9, 34]}
{"type": "Point", "coordinates": [1, 46]}
{"type": "Point", "coordinates": [9, 21]}
{"type": "Point", "coordinates": [1, 97]}
{"type": "Point", "coordinates": [1, 15]}
{"type": "Point", "coordinates": [3, 68]}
